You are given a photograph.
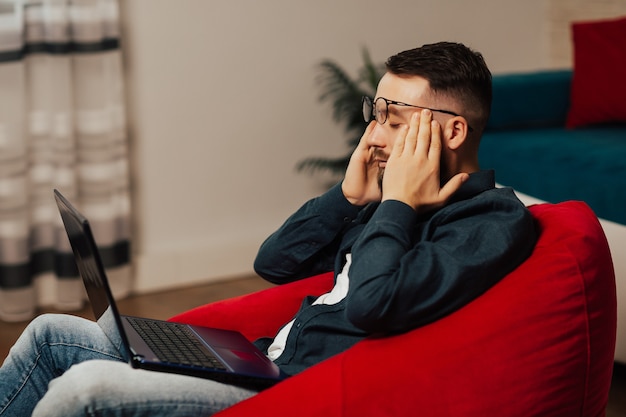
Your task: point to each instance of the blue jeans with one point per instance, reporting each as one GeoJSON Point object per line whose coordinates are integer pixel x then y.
{"type": "Point", "coordinates": [65, 366]}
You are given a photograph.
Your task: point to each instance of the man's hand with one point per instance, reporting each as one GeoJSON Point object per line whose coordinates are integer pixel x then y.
{"type": "Point", "coordinates": [360, 185]}
{"type": "Point", "coordinates": [412, 174]}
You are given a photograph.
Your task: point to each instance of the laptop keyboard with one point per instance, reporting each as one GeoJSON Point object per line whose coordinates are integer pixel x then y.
{"type": "Point", "coordinates": [175, 343]}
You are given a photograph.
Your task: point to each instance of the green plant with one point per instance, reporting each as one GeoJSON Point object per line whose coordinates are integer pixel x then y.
{"type": "Point", "coordinates": [345, 94]}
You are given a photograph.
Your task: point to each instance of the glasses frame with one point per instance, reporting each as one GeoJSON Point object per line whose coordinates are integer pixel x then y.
{"type": "Point", "coordinates": [369, 109]}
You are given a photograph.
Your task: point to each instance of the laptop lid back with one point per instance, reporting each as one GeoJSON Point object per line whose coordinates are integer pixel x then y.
{"type": "Point", "coordinates": [92, 271]}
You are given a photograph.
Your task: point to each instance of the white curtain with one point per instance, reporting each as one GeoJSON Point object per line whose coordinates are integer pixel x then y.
{"type": "Point", "coordinates": [62, 125]}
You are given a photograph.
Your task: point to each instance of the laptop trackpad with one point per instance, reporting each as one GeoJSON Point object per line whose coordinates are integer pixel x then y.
{"type": "Point", "coordinates": [237, 351]}
{"type": "Point", "coordinates": [223, 338]}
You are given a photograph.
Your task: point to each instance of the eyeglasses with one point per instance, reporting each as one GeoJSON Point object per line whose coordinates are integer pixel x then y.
{"type": "Point", "coordinates": [379, 109]}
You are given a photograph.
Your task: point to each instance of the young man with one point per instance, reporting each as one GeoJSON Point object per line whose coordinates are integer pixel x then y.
{"type": "Point", "coordinates": [414, 231]}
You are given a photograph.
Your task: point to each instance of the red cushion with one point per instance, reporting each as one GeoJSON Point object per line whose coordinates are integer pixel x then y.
{"type": "Point", "coordinates": [598, 87]}
{"type": "Point", "coordinates": [540, 342]}
{"type": "Point", "coordinates": [260, 314]}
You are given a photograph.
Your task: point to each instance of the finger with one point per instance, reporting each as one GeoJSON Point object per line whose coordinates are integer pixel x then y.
{"type": "Point", "coordinates": [423, 140]}
{"type": "Point", "coordinates": [400, 142]}
{"type": "Point", "coordinates": [434, 150]}
{"type": "Point", "coordinates": [452, 186]}
{"type": "Point", "coordinates": [363, 143]}
{"type": "Point", "coordinates": [412, 134]}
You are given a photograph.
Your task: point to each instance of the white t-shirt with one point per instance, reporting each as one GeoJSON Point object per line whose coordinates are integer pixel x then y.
{"type": "Point", "coordinates": [338, 293]}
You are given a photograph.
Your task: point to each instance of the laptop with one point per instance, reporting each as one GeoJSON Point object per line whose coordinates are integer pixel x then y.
{"type": "Point", "coordinates": [156, 345]}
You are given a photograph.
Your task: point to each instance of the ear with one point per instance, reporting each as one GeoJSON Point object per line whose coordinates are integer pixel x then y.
{"type": "Point", "coordinates": [455, 132]}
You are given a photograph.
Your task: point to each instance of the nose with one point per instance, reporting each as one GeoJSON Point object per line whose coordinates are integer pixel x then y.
{"type": "Point", "coordinates": [379, 137]}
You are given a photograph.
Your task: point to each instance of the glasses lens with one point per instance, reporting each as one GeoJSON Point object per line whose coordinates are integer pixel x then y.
{"type": "Point", "coordinates": [380, 110]}
{"type": "Point", "coordinates": [367, 109]}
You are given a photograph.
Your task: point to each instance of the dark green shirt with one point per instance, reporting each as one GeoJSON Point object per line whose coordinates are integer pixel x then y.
{"type": "Point", "coordinates": [407, 270]}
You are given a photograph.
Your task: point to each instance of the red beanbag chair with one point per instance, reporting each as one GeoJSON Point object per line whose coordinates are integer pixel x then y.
{"type": "Point", "coordinates": [539, 343]}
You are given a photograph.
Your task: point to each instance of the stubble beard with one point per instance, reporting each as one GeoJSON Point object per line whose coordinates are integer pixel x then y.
{"type": "Point", "coordinates": [380, 155]}
{"type": "Point", "coordinates": [381, 174]}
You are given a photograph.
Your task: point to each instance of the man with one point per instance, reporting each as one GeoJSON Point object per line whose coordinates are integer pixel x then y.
{"type": "Point", "coordinates": [414, 231]}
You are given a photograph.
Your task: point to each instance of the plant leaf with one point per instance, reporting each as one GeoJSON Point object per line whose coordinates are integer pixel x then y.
{"type": "Point", "coordinates": [344, 94]}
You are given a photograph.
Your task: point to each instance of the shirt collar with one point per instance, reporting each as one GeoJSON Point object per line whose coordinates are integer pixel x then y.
{"type": "Point", "coordinates": [477, 182]}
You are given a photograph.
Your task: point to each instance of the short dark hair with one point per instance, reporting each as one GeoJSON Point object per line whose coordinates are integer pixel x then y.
{"type": "Point", "coordinates": [452, 69]}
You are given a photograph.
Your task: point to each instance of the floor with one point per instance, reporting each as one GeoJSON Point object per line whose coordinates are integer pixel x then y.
{"type": "Point", "coordinates": [166, 304]}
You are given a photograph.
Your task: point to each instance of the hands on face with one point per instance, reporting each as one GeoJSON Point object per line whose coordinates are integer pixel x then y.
{"type": "Point", "coordinates": [361, 182]}
{"type": "Point", "coordinates": [412, 172]}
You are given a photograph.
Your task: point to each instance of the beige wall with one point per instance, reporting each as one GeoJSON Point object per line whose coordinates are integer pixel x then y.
{"type": "Point", "coordinates": [223, 103]}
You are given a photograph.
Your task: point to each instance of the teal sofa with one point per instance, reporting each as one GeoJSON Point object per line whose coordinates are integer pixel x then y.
{"type": "Point", "coordinates": [530, 148]}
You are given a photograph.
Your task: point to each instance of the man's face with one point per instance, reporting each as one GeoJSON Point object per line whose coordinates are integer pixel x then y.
{"type": "Point", "coordinates": [412, 90]}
